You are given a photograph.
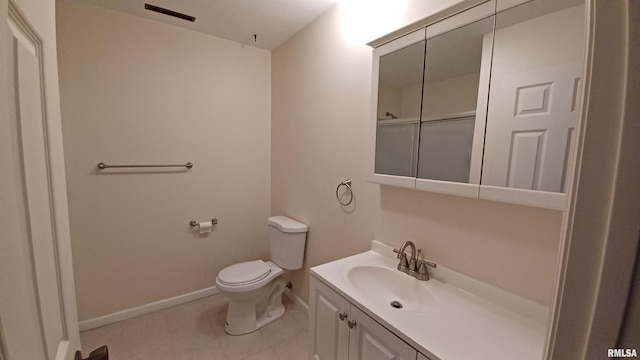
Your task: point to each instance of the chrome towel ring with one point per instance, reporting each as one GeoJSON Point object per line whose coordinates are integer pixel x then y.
{"type": "Point", "coordinates": [347, 184]}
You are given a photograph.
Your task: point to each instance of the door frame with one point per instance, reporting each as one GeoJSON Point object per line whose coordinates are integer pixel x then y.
{"type": "Point", "coordinates": [600, 235]}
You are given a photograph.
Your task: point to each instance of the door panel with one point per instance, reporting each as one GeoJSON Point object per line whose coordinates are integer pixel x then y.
{"type": "Point", "coordinates": [372, 341]}
{"type": "Point", "coordinates": [32, 316]}
{"type": "Point", "coordinates": [532, 128]}
{"type": "Point", "coordinates": [22, 336]}
{"type": "Point", "coordinates": [329, 335]}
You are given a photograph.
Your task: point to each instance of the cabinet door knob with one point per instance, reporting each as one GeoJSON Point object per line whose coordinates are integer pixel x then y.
{"type": "Point", "coordinates": [352, 324]}
{"type": "Point", "coordinates": [342, 316]}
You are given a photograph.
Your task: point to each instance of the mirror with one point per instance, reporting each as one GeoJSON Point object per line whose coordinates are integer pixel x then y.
{"type": "Point", "coordinates": [398, 114]}
{"type": "Point", "coordinates": [454, 61]}
{"type": "Point", "coordinates": [534, 95]}
{"type": "Point", "coordinates": [486, 106]}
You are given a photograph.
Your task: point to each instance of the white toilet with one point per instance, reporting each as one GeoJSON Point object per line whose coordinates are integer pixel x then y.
{"type": "Point", "coordinates": [254, 287]}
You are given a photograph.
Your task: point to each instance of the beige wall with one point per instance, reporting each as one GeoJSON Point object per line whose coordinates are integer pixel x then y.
{"type": "Point", "coordinates": [137, 91]}
{"type": "Point", "coordinates": [321, 83]}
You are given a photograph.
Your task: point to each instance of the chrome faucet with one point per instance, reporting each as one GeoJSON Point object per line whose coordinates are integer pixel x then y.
{"type": "Point", "coordinates": [404, 265]}
{"type": "Point", "coordinates": [415, 266]}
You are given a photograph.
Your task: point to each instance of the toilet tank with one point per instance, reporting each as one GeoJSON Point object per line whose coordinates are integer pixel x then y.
{"type": "Point", "coordinates": [288, 238]}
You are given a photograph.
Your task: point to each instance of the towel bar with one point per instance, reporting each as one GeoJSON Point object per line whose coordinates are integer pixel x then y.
{"type": "Point", "coordinates": [103, 166]}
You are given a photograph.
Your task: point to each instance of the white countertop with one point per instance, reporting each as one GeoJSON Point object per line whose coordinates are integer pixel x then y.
{"type": "Point", "coordinates": [464, 319]}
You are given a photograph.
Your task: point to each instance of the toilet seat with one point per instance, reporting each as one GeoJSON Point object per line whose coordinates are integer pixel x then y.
{"type": "Point", "coordinates": [244, 273]}
{"type": "Point", "coordinates": [247, 276]}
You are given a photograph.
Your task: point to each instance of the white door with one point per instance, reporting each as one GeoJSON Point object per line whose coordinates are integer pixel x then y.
{"type": "Point", "coordinates": [32, 311]}
{"type": "Point", "coordinates": [328, 316]}
{"type": "Point", "coordinates": [531, 128]}
{"type": "Point", "coordinates": [371, 341]}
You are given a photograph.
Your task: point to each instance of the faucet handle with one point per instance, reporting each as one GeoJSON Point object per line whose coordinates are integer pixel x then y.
{"type": "Point", "coordinates": [425, 262]}
{"type": "Point", "coordinates": [421, 261]}
{"type": "Point", "coordinates": [422, 273]}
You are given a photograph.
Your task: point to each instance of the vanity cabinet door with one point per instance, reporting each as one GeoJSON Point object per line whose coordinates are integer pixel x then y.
{"type": "Point", "coordinates": [328, 316]}
{"type": "Point", "coordinates": [370, 340]}
{"type": "Point", "coordinates": [339, 330]}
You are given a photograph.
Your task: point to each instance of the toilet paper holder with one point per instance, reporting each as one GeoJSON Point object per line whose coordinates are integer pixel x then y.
{"type": "Point", "coordinates": [194, 223]}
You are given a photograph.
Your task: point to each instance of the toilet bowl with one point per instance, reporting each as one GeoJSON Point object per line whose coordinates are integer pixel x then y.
{"type": "Point", "coordinates": [255, 288]}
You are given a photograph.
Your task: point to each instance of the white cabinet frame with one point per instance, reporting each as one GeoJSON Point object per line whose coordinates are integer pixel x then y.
{"type": "Point", "coordinates": [473, 189]}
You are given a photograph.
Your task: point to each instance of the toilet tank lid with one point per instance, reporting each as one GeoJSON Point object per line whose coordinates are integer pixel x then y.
{"type": "Point", "coordinates": [287, 224]}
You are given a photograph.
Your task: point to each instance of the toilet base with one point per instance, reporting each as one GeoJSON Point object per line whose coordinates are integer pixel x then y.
{"type": "Point", "coordinates": [247, 316]}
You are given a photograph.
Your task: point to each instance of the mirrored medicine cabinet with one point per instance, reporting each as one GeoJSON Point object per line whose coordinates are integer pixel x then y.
{"type": "Point", "coordinates": [483, 103]}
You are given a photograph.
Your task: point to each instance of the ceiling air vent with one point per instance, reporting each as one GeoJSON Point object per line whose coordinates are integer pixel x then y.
{"type": "Point", "coordinates": [170, 12]}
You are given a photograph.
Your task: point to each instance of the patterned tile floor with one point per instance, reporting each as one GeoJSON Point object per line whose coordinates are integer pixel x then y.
{"type": "Point", "coordinates": [195, 331]}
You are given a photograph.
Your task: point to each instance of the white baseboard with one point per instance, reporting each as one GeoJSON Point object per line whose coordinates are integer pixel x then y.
{"type": "Point", "coordinates": [296, 299]}
{"type": "Point", "coordinates": [145, 309]}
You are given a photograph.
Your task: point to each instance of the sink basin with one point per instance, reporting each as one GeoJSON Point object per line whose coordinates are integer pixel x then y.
{"type": "Point", "coordinates": [389, 287]}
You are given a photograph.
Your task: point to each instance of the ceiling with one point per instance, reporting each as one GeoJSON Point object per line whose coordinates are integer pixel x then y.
{"type": "Point", "coordinates": [272, 21]}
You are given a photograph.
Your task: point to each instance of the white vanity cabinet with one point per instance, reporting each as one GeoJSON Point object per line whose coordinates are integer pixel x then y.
{"type": "Point", "coordinates": [449, 317]}
{"type": "Point", "coordinates": [338, 330]}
